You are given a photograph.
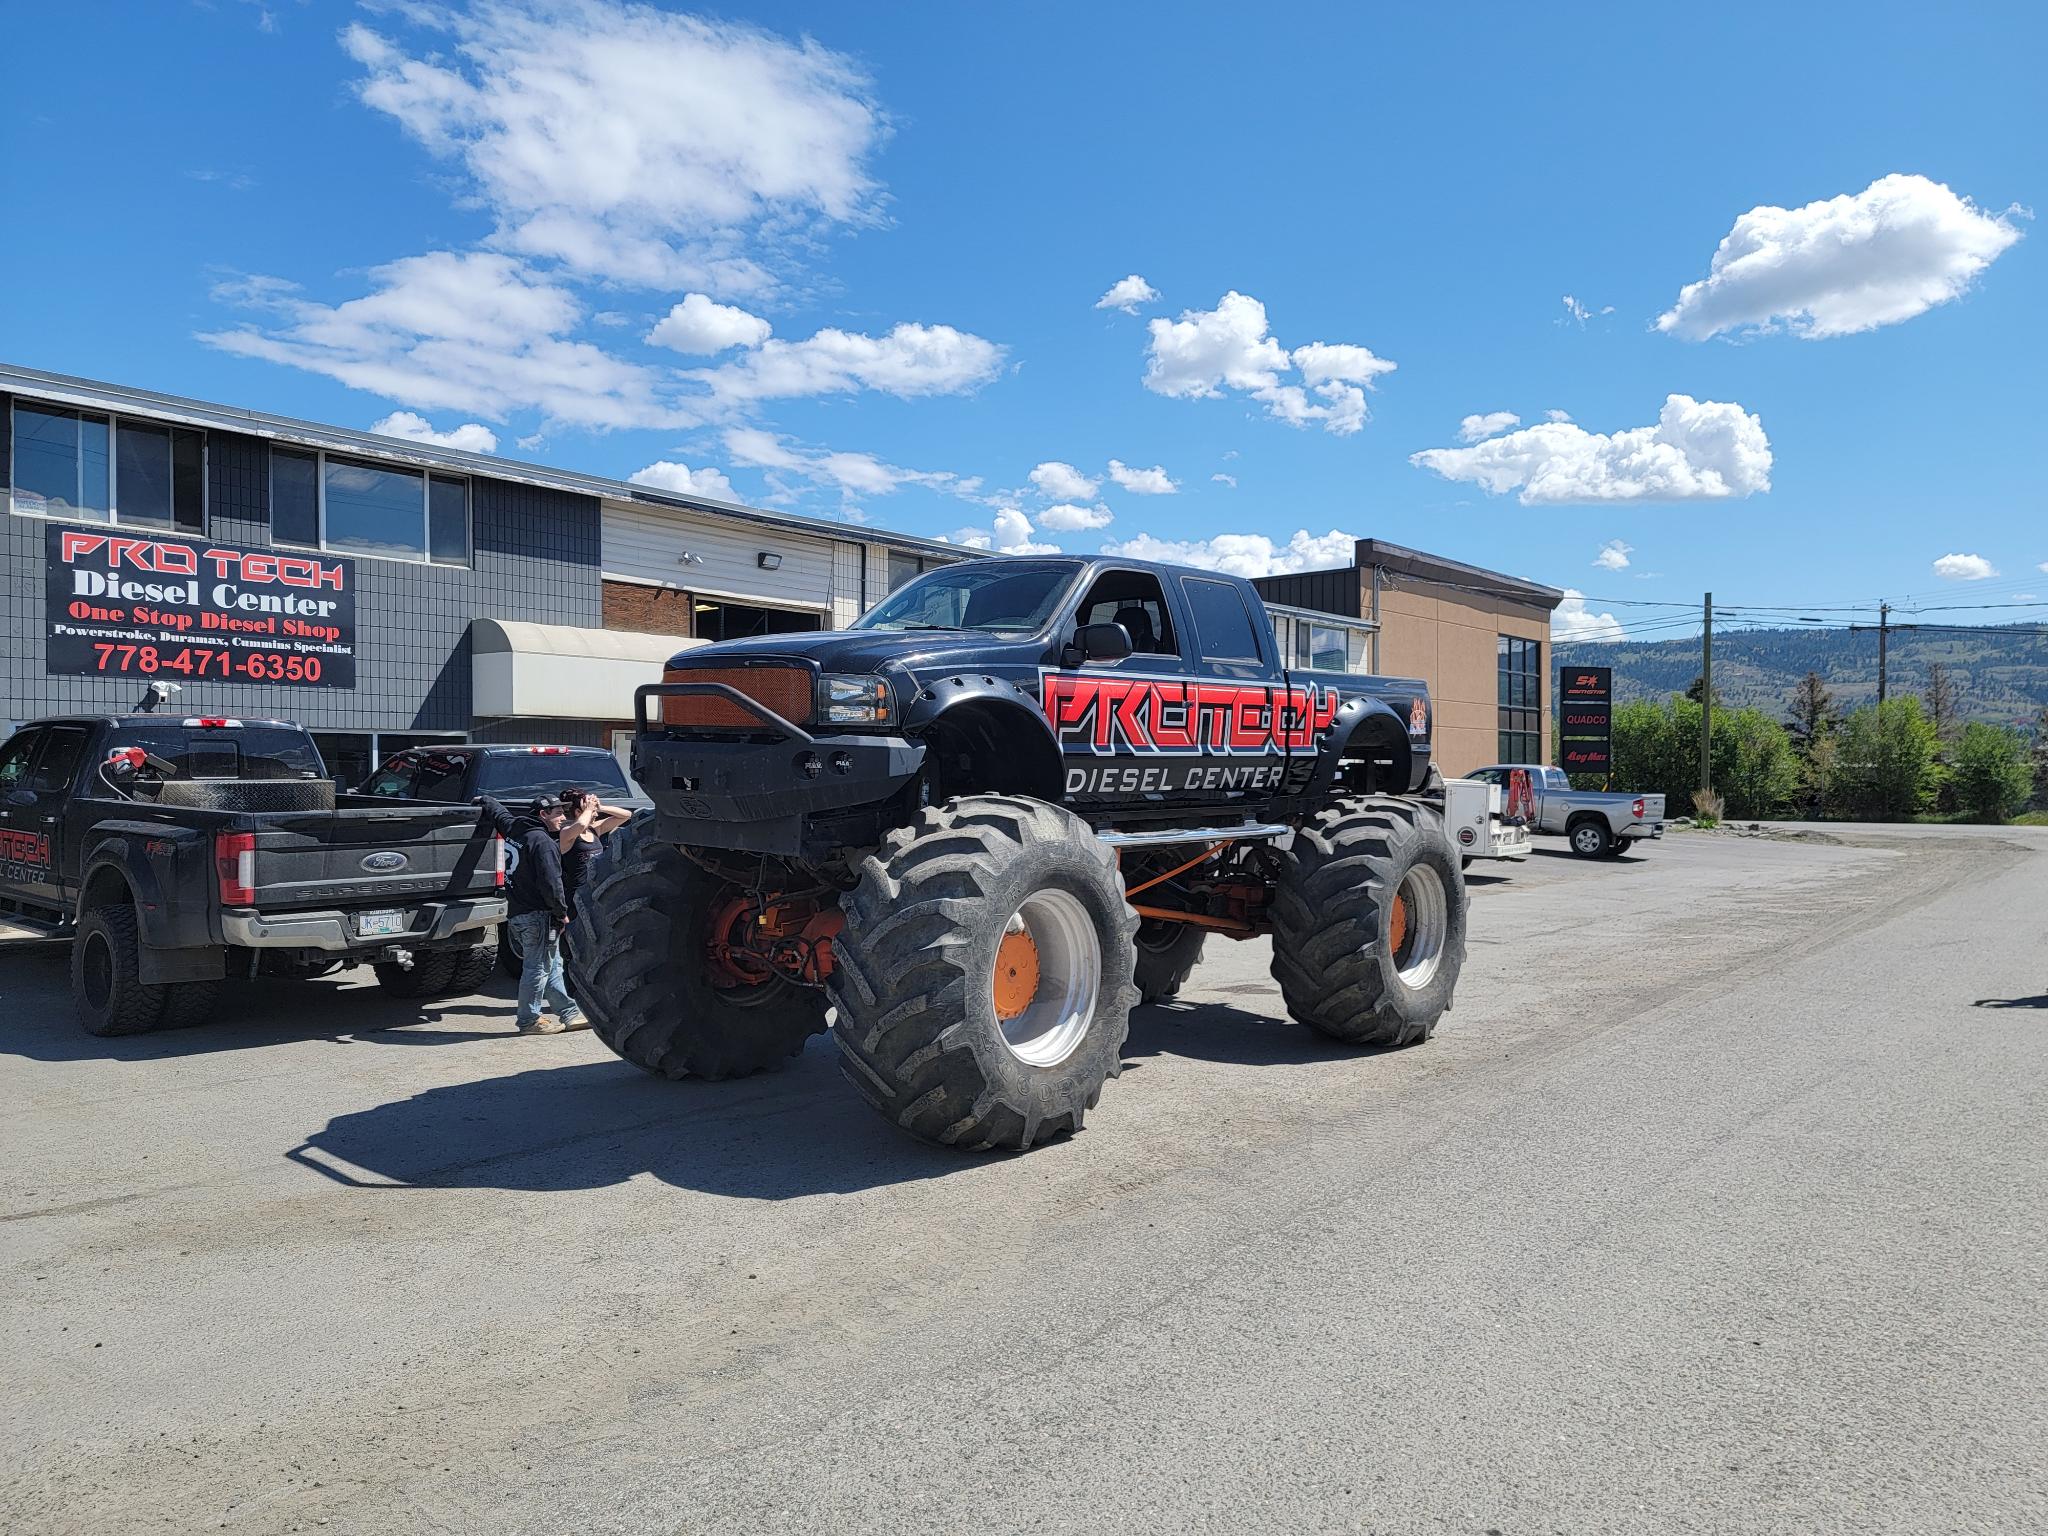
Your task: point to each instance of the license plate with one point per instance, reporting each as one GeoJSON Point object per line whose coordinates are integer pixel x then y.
{"type": "Point", "coordinates": [380, 925]}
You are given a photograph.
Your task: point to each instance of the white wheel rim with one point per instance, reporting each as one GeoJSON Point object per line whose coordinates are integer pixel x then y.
{"type": "Point", "coordinates": [1053, 1024]}
{"type": "Point", "coordinates": [1429, 908]}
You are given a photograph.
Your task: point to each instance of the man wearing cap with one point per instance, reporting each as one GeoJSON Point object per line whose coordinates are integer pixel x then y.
{"type": "Point", "coordinates": [537, 911]}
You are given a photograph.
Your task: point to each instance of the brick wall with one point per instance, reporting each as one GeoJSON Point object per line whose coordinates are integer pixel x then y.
{"type": "Point", "coordinates": [648, 610]}
{"type": "Point", "coordinates": [536, 557]}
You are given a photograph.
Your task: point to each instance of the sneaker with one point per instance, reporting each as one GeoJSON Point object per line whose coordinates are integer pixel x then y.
{"type": "Point", "coordinates": [546, 1024]}
{"type": "Point", "coordinates": [581, 1021]}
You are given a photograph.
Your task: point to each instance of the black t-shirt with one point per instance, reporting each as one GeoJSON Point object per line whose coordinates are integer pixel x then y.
{"type": "Point", "coordinates": [576, 867]}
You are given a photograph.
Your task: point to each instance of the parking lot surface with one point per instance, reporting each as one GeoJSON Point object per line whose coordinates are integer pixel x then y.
{"type": "Point", "coordinates": [1715, 1205]}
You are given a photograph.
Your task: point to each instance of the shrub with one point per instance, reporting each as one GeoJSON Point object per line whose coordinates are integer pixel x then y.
{"type": "Point", "coordinates": [1990, 772]}
{"type": "Point", "coordinates": [1885, 768]}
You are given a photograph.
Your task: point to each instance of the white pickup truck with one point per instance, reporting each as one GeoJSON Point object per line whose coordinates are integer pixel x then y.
{"type": "Point", "coordinates": [1598, 825]}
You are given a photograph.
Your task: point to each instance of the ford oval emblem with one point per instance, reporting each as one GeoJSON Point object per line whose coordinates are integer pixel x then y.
{"type": "Point", "coordinates": [384, 863]}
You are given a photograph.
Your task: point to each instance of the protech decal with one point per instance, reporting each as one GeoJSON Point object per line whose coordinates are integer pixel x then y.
{"type": "Point", "coordinates": [24, 850]}
{"type": "Point", "coordinates": [1118, 716]}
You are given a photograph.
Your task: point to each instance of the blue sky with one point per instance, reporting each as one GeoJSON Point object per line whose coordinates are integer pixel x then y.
{"type": "Point", "coordinates": [484, 218]}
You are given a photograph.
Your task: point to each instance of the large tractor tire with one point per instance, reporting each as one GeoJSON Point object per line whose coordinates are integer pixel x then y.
{"type": "Point", "coordinates": [106, 969]}
{"type": "Point", "coordinates": [1369, 923]}
{"type": "Point", "coordinates": [984, 977]}
{"type": "Point", "coordinates": [639, 963]}
{"type": "Point", "coordinates": [1167, 954]}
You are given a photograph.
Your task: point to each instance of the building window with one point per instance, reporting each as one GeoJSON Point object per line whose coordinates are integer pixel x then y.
{"type": "Point", "coordinates": [1520, 699]}
{"type": "Point", "coordinates": [353, 507]}
{"type": "Point", "coordinates": [903, 567]}
{"type": "Point", "coordinates": [1320, 647]}
{"type": "Point", "coordinates": [717, 620]}
{"type": "Point", "coordinates": [107, 469]}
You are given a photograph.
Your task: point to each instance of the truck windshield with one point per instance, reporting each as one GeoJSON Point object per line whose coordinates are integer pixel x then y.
{"type": "Point", "coordinates": [1011, 598]}
{"type": "Point", "coordinates": [517, 776]}
{"type": "Point", "coordinates": [236, 752]}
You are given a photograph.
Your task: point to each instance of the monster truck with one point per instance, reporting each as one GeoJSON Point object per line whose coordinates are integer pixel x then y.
{"type": "Point", "coordinates": [1011, 801]}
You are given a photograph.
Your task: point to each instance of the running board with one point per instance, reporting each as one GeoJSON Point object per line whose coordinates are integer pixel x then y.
{"type": "Point", "coordinates": [1244, 832]}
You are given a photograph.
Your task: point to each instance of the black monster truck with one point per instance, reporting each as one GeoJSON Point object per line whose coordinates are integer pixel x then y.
{"type": "Point", "coordinates": [1011, 801]}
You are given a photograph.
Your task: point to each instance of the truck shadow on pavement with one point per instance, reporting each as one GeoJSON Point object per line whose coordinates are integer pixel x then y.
{"type": "Point", "coordinates": [36, 1021]}
{"type": "Point", "coordinates": [778, 1136]}
{"type": "Point", "coordinates": [2012, 1002]}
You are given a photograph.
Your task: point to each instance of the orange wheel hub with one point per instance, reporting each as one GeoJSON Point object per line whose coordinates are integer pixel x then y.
{"type": "Point", "coordinates": [1397, 924]}
{"type": "Point", "coordinates": [1016, 979]}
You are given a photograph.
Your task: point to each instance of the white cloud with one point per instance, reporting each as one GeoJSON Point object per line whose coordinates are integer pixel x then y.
{"type": "Point", "coordinates": [631, 143]}
{"type": "Point", "coordinates": [1242, 554]}
{"type": "Point", "coordinates": [473, 331]}
{"type": "Point", "coordinates": [1220, 478]}
{"type": "Point", "coordinates": [700, 325]}
{"type": "Point", "coordinates": [1573, 621]}
{"type": "Point", "coordinates": [852, 474]}
{"type": "Point", "coordinates": [1556, 415]}
{"type": "Point", "coordinates": [1063, 482]}
{"type": "Point", "coordinates": [1965, 568]}
{"type": "Point", "coordinates": [471, 436]}
{"type": "Point", "coordinates": [1066, 518]}
{"type": "Point", "coordinates": [1128, 294]}
{"type": "Point", "coordinates": [2043, 566]}
{"type": "Point", "coordinates": [1578, 314]}
{"type": "Point", "coordinates": [1011, 535]}
{"type": "Point", "coordinates": [1142, 482]}
{"type": "Point", "coordinates": [908, 360]}
{"type": "Point", "coordinates": [1614, 555]}
{"type": "Point", "coordinates": [1699, 450]}
{"type": "Point", "coordinates": [1473, 428]}
{"type": "Point", "coordinates": [1206, 353]}
{"type": "Point", "coordinates": [667, 475]}
{"type": "Point", "coordinates": [1852, 263]}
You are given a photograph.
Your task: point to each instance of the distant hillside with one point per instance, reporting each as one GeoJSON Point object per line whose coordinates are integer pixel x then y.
{"type": "Point", "coordinates": [2000, 674]}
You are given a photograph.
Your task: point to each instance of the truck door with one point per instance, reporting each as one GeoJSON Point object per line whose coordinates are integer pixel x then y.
{"type": "Point", "coordinates": [1121, 725]}
{"type": "Point", "coordinates": [57, 769]}
{"type": "Point", "coordinates": [1243, 751]}
{"type": "Point", "coordinates": [26, 849]}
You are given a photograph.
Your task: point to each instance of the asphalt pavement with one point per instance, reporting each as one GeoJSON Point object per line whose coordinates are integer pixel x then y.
{"type": "Point", "coordinates": [1715, 1205]}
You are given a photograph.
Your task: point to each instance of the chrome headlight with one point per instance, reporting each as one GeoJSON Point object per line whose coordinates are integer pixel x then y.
{"type": "Point", "coordinates": [855, 701]}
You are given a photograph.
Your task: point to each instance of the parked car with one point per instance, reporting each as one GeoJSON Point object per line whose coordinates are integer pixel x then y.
{"type": "Point", "coordinates": [1007, 805]}
{"type": "Point", "coordinates": [1596, 823]}
{"type": "Point", "coordinates": [512, 774]}
{"type": "Point", "coordinates": [176, 853]}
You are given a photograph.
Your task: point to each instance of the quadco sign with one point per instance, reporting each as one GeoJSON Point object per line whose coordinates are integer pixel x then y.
{"type": "Point", "coordinates": [1585, 701]}
{"type": "Point", "coordinates": [189, 611]}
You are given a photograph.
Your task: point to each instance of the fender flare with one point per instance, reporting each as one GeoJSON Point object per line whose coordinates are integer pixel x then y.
{"type": "Point", "coordinates": [1355, 719]}
{"type": "Point", "coordinates": [1013, 704]}
{"type": "Point", "coordinates": [161, 919]}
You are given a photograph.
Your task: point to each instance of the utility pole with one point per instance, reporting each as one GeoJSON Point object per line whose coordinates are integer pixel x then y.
{"type": "Point", "coordinates": [1707, 698]}
{"type": "Point", "coordinates": [1884, 632]}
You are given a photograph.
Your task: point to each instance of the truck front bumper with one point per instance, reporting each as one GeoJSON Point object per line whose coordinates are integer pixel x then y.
{"type": "Point", "coordinates": [756, 790]}
{"type": "Point", "coordinates": [335, 933]}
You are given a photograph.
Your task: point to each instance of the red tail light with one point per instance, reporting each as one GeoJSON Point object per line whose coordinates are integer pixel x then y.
{"type": "Point", "coordinates": [498, 855]}
{"type": "Point", "coordinates": [1638, 809]}
{"type": "Point", "coordinates": [234, 865]}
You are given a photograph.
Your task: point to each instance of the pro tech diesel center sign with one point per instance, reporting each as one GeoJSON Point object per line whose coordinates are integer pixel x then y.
{"type": "Point", "coordinates": [1585, 740]}
{"type": "Point", "coordinates": [187, 610]}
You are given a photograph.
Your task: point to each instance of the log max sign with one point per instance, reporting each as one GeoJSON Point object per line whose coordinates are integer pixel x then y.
{"type": "Point", "coordinates": [127, 603]}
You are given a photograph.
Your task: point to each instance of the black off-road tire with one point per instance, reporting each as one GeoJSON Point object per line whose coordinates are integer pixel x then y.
{"type": "Point", "coordinates": [106, 985]}
{"type": "Point", "coordinates": [1590, 838]}
{"type": "Point", "coordinates": [188, 1003]}
{"type": "Point", "coordinates": [1338, 971]}
{"type": "Point", "coordinates": [1166, 955]}
{"type": "Point", "coordinates": [427, 976]}
{"type": "Point", "coordinates": [472, 967]}
{"type": "Point", "coordinates": [914, 972]}
{"type": "Point", "coordinates": [637, 963]}
{"type": "Point", "coordinates": [509, 959]}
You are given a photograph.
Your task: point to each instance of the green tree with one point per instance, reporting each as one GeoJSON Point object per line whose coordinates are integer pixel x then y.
{"type": "Point", "coordinates": [1991, 774]}
{"type": "Point", "coordinates": [1812, 713]}
{"type": "Point", "coordinates": [1886, 767]}
{"type": "Point", "coordinates": [1755, 768]}
{"type": "Point", "coordinates": [1657, 749]}
{"type": "Point", "coordinates": [2041, 760]}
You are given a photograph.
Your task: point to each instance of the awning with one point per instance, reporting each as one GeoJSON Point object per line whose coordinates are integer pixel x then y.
{"type": "Point", "coordinates": [555, 672]}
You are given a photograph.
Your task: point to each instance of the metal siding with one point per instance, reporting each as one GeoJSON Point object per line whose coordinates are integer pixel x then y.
{"type": "Point", "coordinates": [1325, 591]}
{"type": "Point", "coordinates": [644, 544]}
{"type": "Point", "coordinates": [847, 563]}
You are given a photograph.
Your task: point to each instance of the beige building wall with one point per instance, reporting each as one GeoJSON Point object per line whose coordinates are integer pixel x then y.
{"type": "Point", "coordinates": [1448, 638]}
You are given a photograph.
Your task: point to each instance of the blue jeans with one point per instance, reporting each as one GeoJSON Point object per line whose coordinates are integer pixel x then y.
{"type": "Point", "coordinates": [540, 969]}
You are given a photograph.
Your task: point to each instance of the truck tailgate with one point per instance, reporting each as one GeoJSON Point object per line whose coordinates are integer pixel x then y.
{"type": "Point", "coordinates": [1653, 807]}
{"type": "Point", "coordinates": [394, 856]}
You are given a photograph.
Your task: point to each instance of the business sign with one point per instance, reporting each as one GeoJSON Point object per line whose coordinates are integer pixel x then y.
{"type": "Point", "coordinates": [1585, 733]}
{"type": "Point", "coordinates": [187, 611]}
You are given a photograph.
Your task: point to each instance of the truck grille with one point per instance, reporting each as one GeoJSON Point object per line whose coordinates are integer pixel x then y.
{"type": "Point", "coordinates": [786, 690]}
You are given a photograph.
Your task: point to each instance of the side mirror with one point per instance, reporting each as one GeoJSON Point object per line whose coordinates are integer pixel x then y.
{"type": "Point", "coordinates": [20, 799]}
{"type": "Point", "coordinates": [1103, 642]}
